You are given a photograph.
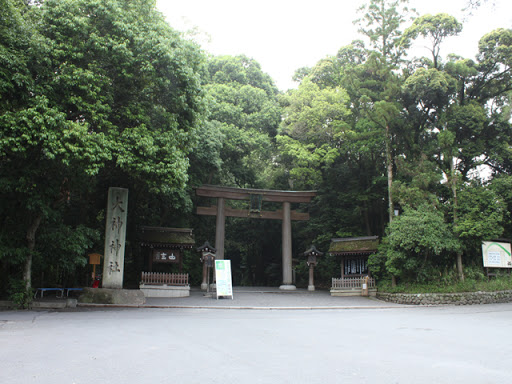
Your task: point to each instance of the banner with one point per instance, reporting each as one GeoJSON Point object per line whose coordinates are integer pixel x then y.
{"type": "Point", "coordinates": [223, 278]}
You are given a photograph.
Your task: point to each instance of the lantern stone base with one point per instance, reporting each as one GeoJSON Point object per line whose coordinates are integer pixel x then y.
{"type": "Point", "coordinates": [287, 287]}
{"type": "Point", "coordinates": [164, 290]}
{"type": "Point", "coordinates": [352, 292]}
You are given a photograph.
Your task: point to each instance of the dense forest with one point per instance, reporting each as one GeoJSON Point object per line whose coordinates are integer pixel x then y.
{"type": "Point", "coordinates": [104, 93]}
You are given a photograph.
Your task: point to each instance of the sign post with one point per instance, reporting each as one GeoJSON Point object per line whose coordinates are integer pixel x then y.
{"type": "Point", "coordinates": [223, 278]}
{"type": "Point", "coordinates": [496, 254]}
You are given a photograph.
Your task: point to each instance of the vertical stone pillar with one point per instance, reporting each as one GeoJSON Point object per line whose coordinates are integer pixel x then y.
{"type": "Point", "coordinates": [115, 236]}
{"type": "Point", "coordinates": [311, 285]}
{"type": "Point", "coordinates": [287, 249]}
{"type": "Point", "coordinates": [220, 229]}
{"type": "Point", "coordinates": [204, 284]}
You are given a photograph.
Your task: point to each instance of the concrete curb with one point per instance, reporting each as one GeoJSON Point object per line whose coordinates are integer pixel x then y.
{"type": "Point", "coordinates": [90, 305]}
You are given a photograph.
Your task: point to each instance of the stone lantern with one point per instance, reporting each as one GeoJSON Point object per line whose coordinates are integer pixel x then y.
{"type": "Point", "coordinates": [312, 254]}
{"type": "Point", "coordinates": [208, 259]}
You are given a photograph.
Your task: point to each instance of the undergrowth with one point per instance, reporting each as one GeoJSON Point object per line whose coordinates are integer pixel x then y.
{"type": "Point", "coordinates": [499, 283]}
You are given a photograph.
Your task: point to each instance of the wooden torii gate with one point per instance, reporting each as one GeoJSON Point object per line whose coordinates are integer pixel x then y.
{"type": "Point", "coordinates": [256, 197]}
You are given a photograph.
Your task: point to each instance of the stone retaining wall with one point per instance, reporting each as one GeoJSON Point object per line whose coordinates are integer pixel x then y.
{"type": "Point", "coordinates": [462, 298]}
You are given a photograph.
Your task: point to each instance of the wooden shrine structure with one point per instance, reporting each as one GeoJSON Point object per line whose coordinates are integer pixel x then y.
{"type": "Point", "coordinates": [354, 253]}
{"type": "Point", "coordinates": [256, 197]}
{"type": "Point", "coordinates": [165, 249]}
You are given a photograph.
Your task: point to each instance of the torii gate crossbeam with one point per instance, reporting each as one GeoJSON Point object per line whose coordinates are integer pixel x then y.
{"type": "Point", "coordinates": [286, 215]}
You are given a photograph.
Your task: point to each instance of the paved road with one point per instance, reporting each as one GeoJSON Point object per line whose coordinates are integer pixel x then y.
{"type": "Point", "coordinates": [180, 345]}
{"type": "Point", "coordinates": [268, 297]}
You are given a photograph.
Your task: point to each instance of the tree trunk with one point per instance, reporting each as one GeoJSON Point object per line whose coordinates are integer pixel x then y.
{"type": "Point", "coordinates": [458, 258]}
{"type": "Point", "coordinates": [367, 219]}
{"type": "Point", "coordinates": [31, 242]}
{"type": "Point", "coordinates": [460, 269]}
{"type": "Point", "coordinates": [389, 165]}
{"type": "Point", "coordinates": [390, 174]}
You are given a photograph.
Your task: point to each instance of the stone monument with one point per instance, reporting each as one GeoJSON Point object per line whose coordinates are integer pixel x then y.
{"type": "Point", "coordinates": [115, 236]}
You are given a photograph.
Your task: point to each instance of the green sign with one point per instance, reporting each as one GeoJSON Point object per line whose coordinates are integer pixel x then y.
{"type": "Point", "coordinates": [223, 278]}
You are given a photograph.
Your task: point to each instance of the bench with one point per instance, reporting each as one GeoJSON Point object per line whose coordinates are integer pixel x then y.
{"type": "Point", "coordinates": [59, 291]}
{"type": "Point", "coordinates": [43, 290]}
{"type": "Point", "coordinates": [72, 289]}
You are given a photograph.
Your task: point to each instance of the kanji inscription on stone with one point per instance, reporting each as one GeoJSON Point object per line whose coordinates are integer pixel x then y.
{"type": "Point", "coordinates": [115, 237]}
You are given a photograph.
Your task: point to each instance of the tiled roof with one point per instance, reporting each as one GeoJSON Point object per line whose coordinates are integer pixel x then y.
{"type": "Point", "coordinates": [354, 245]}
{"type": "Point", "coordinates": [163, 236]}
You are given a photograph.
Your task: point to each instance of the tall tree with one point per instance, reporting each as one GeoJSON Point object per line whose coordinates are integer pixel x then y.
{"type": "Point", "coordinates": [435, 28]}
{"type": "Point", "coordinates": [116, 92]}
{"type": "Point", "coordinates": [381, 23]}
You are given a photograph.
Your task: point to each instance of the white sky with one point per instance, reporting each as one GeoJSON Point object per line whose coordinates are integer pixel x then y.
{"type": "Point", "coordinates": [284, 35]}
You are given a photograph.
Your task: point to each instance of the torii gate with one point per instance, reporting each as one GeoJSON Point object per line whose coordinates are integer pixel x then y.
{"type": "Point", "coordinates": [256, 196]}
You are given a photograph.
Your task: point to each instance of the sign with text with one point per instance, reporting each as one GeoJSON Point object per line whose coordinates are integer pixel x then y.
{"type": "Point", "coordinates": [166, 256]}
{"type": "Point", "coordinates": [223, 278]}
{"type": "Point", "coordinates": [496, 255]}
{"type": "Point", "coordinates": [115, 236]}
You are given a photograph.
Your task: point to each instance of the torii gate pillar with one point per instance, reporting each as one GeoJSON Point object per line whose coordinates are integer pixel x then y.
{"type": "Point", "coordinates": [287, 249]}
{"type": "Point", "coordinates": [220, 228]}
{"type": "Point", "coordinates": [286, 215]}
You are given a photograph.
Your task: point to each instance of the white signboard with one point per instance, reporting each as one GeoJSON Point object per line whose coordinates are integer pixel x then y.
{"type": "Point", "coordinates": [223, 278]}
{"type": "Point", "coordinates": [496, 255]}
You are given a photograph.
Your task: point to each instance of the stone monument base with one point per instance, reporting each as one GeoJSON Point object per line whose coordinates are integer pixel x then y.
{"type": "Point", "coordinates": [165, 290]}
{"type": "Point", "coordinates": [288, 287]}
{"type": "Point", "coordinates": [112, 296]}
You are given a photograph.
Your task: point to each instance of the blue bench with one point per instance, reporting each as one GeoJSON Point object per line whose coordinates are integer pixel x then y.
{"type": "Point", "coordinates": [43, 290]}
{"type": "Point", "coordinates": [72, 289]}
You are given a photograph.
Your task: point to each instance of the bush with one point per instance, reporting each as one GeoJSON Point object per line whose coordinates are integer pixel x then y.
{"type": "Point", "coordinates": [500, 283]}
{"type": "Point", "coordinates": [20, 296]}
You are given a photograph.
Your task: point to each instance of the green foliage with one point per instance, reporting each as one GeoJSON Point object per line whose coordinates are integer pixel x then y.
{"type": "Point", "coordinates": [430, 88]}
{"type": "Point", "coordinates": [311, 131]}
{"type": "Point", "coordinates": [418, 243]}
{"type": "Point", "coordinates": [480, 215]}
{"type": "Point", "coordinates": [101, 93]}
{"type": "Point", "coordinates": [475, 281]}
{"type": "Point", "coordinates": [244, 116]}
{"type": "Point", "coordinates": [502, 187]}
{"type": "Point", "coordinates": [91, 90]}
{"type": "Point", "coordinates": [435, 28]}
{"type": "Point", "coordinates": [19, 294]}
{"type": "Point", "coordinates": [381, 22]}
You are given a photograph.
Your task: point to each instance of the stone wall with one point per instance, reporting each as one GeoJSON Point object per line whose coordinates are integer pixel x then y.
{"type": "Point", "coordinates": [462, 298]}
{"type": "Point", "coordinates": [164, 290]}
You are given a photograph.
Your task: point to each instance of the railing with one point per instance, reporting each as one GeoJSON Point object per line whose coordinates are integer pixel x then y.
{"type": "Point", "coordinates": [352, 282]}
{"type": "Point", "coordinates": [161, 278]}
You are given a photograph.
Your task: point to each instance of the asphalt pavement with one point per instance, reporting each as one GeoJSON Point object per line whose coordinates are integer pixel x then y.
{"type": "Point", "coordinates": [414, 344]}
{"type": "Point", "coordinates": [267, 298]}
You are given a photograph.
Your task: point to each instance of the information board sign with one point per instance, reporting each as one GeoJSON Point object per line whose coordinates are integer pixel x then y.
{"type": "Point", "coordinates": [496, 255]}
{"type": "Point", "coordinates": [223, 278]}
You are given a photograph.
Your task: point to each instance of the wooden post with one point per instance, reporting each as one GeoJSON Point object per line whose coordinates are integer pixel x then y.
{"type": "Point", "coordinates": [287, 249]}
{"type": "Point", "coordinates": [364, 287]}
{"type": "Point", "coordinates": [220, 229]}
